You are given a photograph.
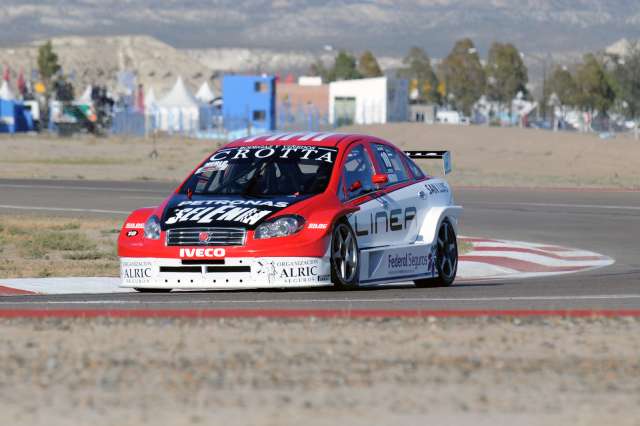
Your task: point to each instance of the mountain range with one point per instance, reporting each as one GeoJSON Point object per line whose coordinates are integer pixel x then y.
{"type": "Point", "coordinates": [388, 27]}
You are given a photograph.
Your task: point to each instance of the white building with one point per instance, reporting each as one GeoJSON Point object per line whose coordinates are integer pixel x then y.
{"type": "Point", "coordinates": [368, 101]}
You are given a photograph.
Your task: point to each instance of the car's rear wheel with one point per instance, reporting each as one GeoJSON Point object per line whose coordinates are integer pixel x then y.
{"type": "Point", "coordinates": [152, 290]}
{"type": "Point", "coordinates": [446, 258]}
{"type": "Point", "coordinates": [345, 256]}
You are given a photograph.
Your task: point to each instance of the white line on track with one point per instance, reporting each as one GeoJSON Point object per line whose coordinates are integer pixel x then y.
{"type": "Point", "coordinates": [80, 187]}
{"type": "Point", "coordinates": [62, 209]}
{"type": "Point", "coordinates": [308, 301]}
{"type": "Point", "coordinates": [580, 206]}
{"type": "Point", "coordinates": [142, 197]}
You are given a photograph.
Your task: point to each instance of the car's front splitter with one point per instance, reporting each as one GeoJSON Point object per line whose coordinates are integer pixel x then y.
{"type": "Point", "coordinates": [229, 273]}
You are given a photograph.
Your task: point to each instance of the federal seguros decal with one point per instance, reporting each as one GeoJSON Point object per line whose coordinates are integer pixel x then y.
{"type": "Point", "coordinates": [401, 262]}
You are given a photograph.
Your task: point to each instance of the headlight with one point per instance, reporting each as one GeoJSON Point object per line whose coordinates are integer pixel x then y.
{"type": "Point", "coordinates": [280, 227]}
{"type": "Point", "coordinates": [152, 228]}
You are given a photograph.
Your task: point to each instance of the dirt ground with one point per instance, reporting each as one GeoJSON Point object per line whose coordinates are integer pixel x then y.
{"type": "Point", "coordinates": [481, 156]}
{"type": "Point", "coordinates": [490, 156]}
{"type": "Point", "coordinates": [486, 371]}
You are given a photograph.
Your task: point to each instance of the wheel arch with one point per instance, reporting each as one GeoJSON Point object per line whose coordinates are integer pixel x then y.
{"type": "Point", "coordinates": [434, 218]}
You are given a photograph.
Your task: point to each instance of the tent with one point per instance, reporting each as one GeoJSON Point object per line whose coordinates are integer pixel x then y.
{"type": "Point", "coordinates": [150, 101]}
{"type": "Point", "coordinates": [5, 92]}
{"type": "Point", "coordinates": [204, 94]}
{"type": "Point", "coordinates": [178, 111]}
{"type": "Point", "coordinates": [86, 96]}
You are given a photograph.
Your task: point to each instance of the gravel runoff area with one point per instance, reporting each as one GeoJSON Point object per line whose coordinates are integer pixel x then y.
{"type": "Point", "coordinates": [476, 371]}
{"type": "Point", "coordinates": [481, 155]}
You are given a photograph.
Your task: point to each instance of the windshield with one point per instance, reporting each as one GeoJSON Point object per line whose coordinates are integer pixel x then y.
{"type": "Point", "coordinates": [264, 171]}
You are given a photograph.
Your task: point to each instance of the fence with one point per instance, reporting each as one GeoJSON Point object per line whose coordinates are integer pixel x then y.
{"type": "Point", "coordinates": [208, 122]}
{"type": "Point", "coordinates": [301, 118]}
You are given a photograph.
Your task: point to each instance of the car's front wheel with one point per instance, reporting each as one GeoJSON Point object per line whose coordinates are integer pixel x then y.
{"type": "Point", "coordinates": [446, 260]}
{"type": "Point", "coordinates": [345, 256]}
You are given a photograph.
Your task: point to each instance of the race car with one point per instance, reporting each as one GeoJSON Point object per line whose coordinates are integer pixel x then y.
{"type": "Point", "coordinates": [297, 210]}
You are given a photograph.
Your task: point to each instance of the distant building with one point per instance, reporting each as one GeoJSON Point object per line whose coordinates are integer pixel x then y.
{"type": "Point", "coordinates": [368, 101]}
{"type": "Point", "coordinates": [422, 113]}
{"type": "Point", "coordinates": [249, 102]}
{"type": "Point", "coordinates": [14, 117]}
{"type": "Point", "coordinates": [309, 80]}
{"type": "Point", "coordinates": [302, 106]}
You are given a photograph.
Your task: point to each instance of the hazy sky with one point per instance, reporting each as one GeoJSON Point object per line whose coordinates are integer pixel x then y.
{"type": "Point", "coordinates": [386, 26]}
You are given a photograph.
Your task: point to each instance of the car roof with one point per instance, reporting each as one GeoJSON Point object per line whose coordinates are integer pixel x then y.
{"type": "Point", "coordinates": [322, 139]}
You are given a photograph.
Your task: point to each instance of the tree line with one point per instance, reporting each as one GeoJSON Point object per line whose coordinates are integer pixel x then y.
{"type": "Point", "coordinates": [599, 83]}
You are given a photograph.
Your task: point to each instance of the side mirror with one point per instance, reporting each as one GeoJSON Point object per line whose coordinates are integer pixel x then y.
{"type": "Point", "coordinates": [355, 186]}
{"type": "Point", "coordinates": [380, 179]}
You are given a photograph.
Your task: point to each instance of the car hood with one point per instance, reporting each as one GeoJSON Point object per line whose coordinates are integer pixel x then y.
{"type": "Point", "coordinates": [223, 210]}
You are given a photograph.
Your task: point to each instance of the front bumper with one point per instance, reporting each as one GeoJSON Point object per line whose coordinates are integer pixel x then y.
{"type": "Point", "coordinates": [229, 273]}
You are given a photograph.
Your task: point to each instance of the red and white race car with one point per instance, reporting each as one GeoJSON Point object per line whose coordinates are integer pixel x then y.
{"type": "Point", "coordinates": [297, 210]}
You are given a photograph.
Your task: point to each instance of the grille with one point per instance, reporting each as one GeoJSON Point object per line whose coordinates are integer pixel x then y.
{"type": "Point", "coordinates": [215, 237]}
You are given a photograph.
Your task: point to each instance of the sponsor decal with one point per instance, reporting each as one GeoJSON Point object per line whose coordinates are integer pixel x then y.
{"type": "Point", "coordinates": [132, 233]}
{"type": "Point", "coordinates": [202, 253]}
{"type": "Point", "coordinates": [226, 213]}
{"type": "Point", "coordinates": [408, 260]}
{"type": "Point", "coordinates": [134, 225]}
{"type": "Point", "coordinates": [411, 262]}
{"type": "Point", "coordinates": [387, 221]}
{"type": "Point", "coordinates": [212, 166]}
{"type": "Point", "coordinates": [317, 226]}
{"type": "Point", "coordinates": [251, 203]}
{"type": "Point", "coordinates": [136, 272]}
{"type": "Point", "coordinates": [289, 271]}
{"type": "Point", "coordinates": [247, 212]}
{"type": "Point", "coordinates": [223, 211]}
{"type": "Point", "coordinates": [437, 188]}
{"type": "Point", "coordinates": [302, 152]}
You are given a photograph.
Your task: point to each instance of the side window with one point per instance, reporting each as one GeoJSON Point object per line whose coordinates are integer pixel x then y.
{"type": "Point", "coordinates": [391, 163]}
{"type": "Point", "coordinates": [417, 172]}
{"type": "Point", "coordinates": [357, 173]}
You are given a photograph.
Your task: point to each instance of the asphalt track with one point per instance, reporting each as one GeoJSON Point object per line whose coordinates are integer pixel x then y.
{"type": "Point", "coordinates": [606, 222]}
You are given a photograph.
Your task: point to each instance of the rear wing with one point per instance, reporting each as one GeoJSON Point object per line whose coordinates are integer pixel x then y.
{"type": "Point", "coordinates": [433, 155]}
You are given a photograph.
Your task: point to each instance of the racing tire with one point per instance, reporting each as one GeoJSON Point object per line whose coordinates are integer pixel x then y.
{"type": "Point", "coordinates": [345, 257]}
{"type": "Point", "coordinates": [446, 260]}
{"type": "Point", "coordinates": [152, 290]}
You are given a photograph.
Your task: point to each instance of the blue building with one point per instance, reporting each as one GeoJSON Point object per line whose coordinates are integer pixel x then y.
{"type": "Point", "coordinates": [249, 103]}
{"type": "Point", "coordinates": [14, 117]}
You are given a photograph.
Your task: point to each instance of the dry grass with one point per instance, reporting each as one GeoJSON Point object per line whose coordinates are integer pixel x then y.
{"type": "Point", "coordinates": [482, 156]}
{"type": "Point", "coordinates": [36, 246]}
{"type": "Point", "coordinates": [464, 247]}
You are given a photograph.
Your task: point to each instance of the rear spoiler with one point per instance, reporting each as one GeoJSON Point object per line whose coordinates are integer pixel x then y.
{"type": "Point", "coordinates": [433, 155]}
